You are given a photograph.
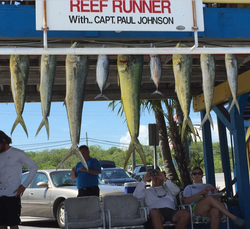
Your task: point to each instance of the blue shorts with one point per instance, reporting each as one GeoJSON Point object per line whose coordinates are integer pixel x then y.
{"type": "Point", "coordinates": [10, 209]}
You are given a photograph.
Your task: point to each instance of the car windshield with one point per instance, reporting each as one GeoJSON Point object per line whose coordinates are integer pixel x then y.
{"type": "Point", "coordinates": [63, 178]}
{"type": "Point", "coordinates": [115, 173]}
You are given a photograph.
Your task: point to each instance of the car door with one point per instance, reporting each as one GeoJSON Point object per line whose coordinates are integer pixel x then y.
{"type": "Point", "coordinates": [25, 196]}
{"type": "Point", "coordinates": [40, 197]}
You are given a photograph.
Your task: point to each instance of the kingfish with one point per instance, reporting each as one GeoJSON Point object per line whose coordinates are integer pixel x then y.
{"type": "Point", "coordinates": [208, 78]}
{"type": "Point", "coordinates": [130, 74]}
{"type": "Point", "coordinates": [232, 77]}
{"type": "Point", "coordinates": [19, 70]}
{"type": "Point", "coordinates": [182, 67]}
{"type": "Point", "coordinates": [76, 74]}
{"type": "Point", "coordinates": [48, 71]}
{"type": "Point", "coordinates": [102, 72]}
{"type": "Point", "coordinates": [156, 70]}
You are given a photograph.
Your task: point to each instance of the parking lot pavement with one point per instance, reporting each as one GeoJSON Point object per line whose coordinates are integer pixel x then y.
{"type": "Point", "coordinates": [35, 222]}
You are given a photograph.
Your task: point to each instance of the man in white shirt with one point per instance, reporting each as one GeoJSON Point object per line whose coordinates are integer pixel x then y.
{"type": "Point", "coordinates": [11, 189]}
{"type": "Point", "coordinates": [160, 200]}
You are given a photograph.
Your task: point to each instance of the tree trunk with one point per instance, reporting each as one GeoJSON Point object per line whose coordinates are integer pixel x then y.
{"type": "Point", "coordinates": [163, 143]}
{"type": "Point", "coordinates": [180, 148]}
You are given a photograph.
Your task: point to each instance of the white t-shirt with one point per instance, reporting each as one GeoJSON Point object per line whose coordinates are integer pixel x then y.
{"type": "Point", "coordinates": [11, 163]}
{"type": "Point", "coordinates": [193, 189]}
{"type": "Point", "coordinates": [152, 195]}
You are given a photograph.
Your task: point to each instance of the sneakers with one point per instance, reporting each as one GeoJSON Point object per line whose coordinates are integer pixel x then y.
{"type": "Point", "coordinates": [240, 222]}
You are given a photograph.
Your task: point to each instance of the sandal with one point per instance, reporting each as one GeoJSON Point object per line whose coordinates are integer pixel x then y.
{"type": "Point", "coordinates": [240, 222]}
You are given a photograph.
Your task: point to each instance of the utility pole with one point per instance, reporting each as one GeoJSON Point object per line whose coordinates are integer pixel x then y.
{"type": "Point", "coordinates": [87, 139]}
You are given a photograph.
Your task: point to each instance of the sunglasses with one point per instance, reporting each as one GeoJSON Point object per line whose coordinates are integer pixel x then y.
{"type": "Point", "coordinates": [198, 173]}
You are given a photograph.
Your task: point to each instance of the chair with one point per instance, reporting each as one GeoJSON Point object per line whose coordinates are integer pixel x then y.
{"type": "Point", "coordinates": [123, 211]}
{"type": "Point", "coordinates": [84, 212]}
{"type": "Point", "coordinates": [196, 219]}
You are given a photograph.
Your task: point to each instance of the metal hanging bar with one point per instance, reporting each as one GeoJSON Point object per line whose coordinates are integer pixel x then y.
{"type": "Point", "coordinates": [195, 27]}
{"type": "Point", "coordinates": [120, 50]}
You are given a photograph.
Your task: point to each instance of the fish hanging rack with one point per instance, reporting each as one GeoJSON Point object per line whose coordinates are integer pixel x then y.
{"type": "Point", "coordinates": [132, 51]}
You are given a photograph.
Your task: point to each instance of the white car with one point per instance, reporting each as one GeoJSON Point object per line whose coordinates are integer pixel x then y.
{"type": "Point", "coordinates": [45, 196]}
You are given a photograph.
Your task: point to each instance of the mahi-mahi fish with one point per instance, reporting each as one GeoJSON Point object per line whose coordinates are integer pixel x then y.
{"type": "Point", "coordinates": [130, 74]}
{"type": "Point", "coordinates": [19, 70]}
{"type": "Point", "coordinates": [102, 72]}
{"type": "Point", "coordinates": [48, 71]}
{"type": "Point", "coordinates": [208, 78]}
{"type": "Point", "coordinates": [232, 78]}
{"type": "Point", "coordinates": [155, 70]}
{"type": "Point", "coordinates": [182, 67]}
{"type": "Point", "coordinates": [76, 74]}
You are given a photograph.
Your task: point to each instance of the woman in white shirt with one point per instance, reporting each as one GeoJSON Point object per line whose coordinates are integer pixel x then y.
{"type": "Point", "coordinates": [203, 204]}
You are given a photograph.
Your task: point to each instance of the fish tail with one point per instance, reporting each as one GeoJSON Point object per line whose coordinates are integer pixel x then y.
{"type": "Point", "coordinates": [20, 120]}
{"type": "Point", "coordinates": [74, 150]}
{"type": "Point", "coordinates": [187, 122]}
{"type": "Point", "coordinates": [207, 117]}
{"type": "Point", "coordinates": [129, 152]}
{"type": "Point", "coordinates": [234, 102]}
{"type": "Point", "coordinates": [45, 122]}
{"type": "Point", "coordinates": [157, 92]}
{"type": "Point", "coordinates": [101, 96]}
{"type": "Point", "coordinates": [139, 149]}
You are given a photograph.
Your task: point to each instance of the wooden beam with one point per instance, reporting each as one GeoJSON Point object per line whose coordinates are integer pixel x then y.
{"type": "Point", "coordinates": [222, 92]}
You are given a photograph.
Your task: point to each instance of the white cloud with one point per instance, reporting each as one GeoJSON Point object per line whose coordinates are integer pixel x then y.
{"type": "Point", "coordinates": [143, 137]}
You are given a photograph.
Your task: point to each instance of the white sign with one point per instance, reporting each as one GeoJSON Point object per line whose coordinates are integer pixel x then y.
{"type": "Point", "coordinates": [120, 15]}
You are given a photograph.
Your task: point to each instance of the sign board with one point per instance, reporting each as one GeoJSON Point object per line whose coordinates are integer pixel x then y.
{"type": "Point", "coordinates": [120, 15]}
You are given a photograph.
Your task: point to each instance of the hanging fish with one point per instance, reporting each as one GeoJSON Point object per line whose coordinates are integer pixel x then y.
{"type": "Point", "coordinates": [19, 71]}
{"type": "Point", "coordinates": [182, 67]}
{"type": "Point", "coordinates": [156, 70]}
{"type": "Point", "coordinates": [232, 78]}
{"type": "Point", "coordinates": [48, 72]}
{"type": "Point", "coordinates": [208, 78]}
{"type": "Point", "coordinates": [130, 74]}
{"type": "Point", "coordinates": [76, 74]}
{"type": "Point", "coordinates": [102, 72]}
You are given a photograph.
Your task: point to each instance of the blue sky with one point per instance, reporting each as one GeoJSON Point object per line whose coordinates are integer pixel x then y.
{"type": "Point", "coordinates": [102, 125]}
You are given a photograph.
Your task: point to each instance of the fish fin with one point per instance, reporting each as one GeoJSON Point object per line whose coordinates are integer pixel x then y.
{"type": "Point", "coordinates": [234, 102]}
{"type": "Point", "coordinates": [207, 117]}
{"type": "Point", "coordinates": [157, 92]}
{"type": "Point", "coordinates": [38, 87]}
{"type": "Point", "coordinates": [74, 150]}
{"type": "Point", "coordinates": [46, 123]}
{"type": "Point", "coordinates": [187, 122]}
{"type": "Point", "coordinates": [129, 152]}
{"type": "Point", "coordinates": [19, 119]}
{"type": "Point", "coordinates": [101, 95]}
{"type": "Point", "coordinates": [118, 80]}
{"type": "Point", "coordinates": [106, 86]}
{"type": "Point", "coordinates": [139, 149]}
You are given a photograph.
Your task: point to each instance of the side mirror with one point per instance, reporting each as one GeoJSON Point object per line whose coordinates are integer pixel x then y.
{"type": "Point", "coordinates": [43, 184]}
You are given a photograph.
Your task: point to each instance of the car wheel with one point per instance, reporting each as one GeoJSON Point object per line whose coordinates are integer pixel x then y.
{"type": "Point", "coordinates": [60, 215]}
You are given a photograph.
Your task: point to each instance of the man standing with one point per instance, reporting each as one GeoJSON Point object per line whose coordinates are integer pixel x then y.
{"type": "Point", "coordinates": [11, 189]}
{"type": "Point", "coordinates": [160, 200]}
{"type": "Point", "coordinates": [87, 180]}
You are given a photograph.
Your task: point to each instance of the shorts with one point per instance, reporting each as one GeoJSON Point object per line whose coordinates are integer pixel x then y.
{"type": "Point", "coordinates": [193, 205]}
{"type": "Point", "coordinates": [168, 213]}
{"type": "Point", "coordinates": [10, 210]}
{"type": "Point", "coordinates": [89, 191]}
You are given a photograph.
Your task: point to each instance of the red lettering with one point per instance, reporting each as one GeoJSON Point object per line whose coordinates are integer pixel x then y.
{"type": "Point", "coordinates": [124, 6]}
{"type": "Point", "coordinates": [92, 5]}
{"type": "Point", "coordinates": [145, 5]}
{"type": "Point", "coordinates": [102, 5]}
{"type": "Point", "coordinates": [139, 8]}
{"type": "Point", "coordinates": [167, 6]}
{"type": "Point", "coordinates": [77, 5]}
{"type": "Point", "coordinates": [85, 7]}
{"type": "Point", "coordinates": [117, 4]}
{"type": "Point", "coordinates": [155, 5]}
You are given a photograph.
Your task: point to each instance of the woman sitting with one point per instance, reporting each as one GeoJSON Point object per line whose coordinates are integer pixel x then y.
{"type": "Point", "coordinates": [203, 204]}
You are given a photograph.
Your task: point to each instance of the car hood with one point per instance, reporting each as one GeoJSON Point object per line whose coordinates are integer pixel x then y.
{"type": "Point", "coordinates": [110, 189]}
{"type": "Point", "coordinates": [120, 180]}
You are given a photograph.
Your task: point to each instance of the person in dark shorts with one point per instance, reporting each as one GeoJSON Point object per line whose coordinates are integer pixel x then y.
{"type": "Point", "coordinates": [160, 200]}
{"type": "Point", "coordinates": [87, 180]}
{"type": "Point", "coordinates": [11, 163]}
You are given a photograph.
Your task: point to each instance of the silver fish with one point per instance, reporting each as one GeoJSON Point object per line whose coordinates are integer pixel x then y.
{"type": "Point", "coordinates": [76, 74]}
{"type": "Point", "coordinates": [48, 72]}
{"type": "Point", "coordinates": [156, 70]}
{"type": "Point", "coordinates": [208, 78]}
{"type": "Point", "coordinates": [102, 72]}
{"type": "Point", "coordinates": [232, 77]}
{"type": "Point", "coordinates": [182, 67]}
{"type": "Point", "coordinates": [19, 70]}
